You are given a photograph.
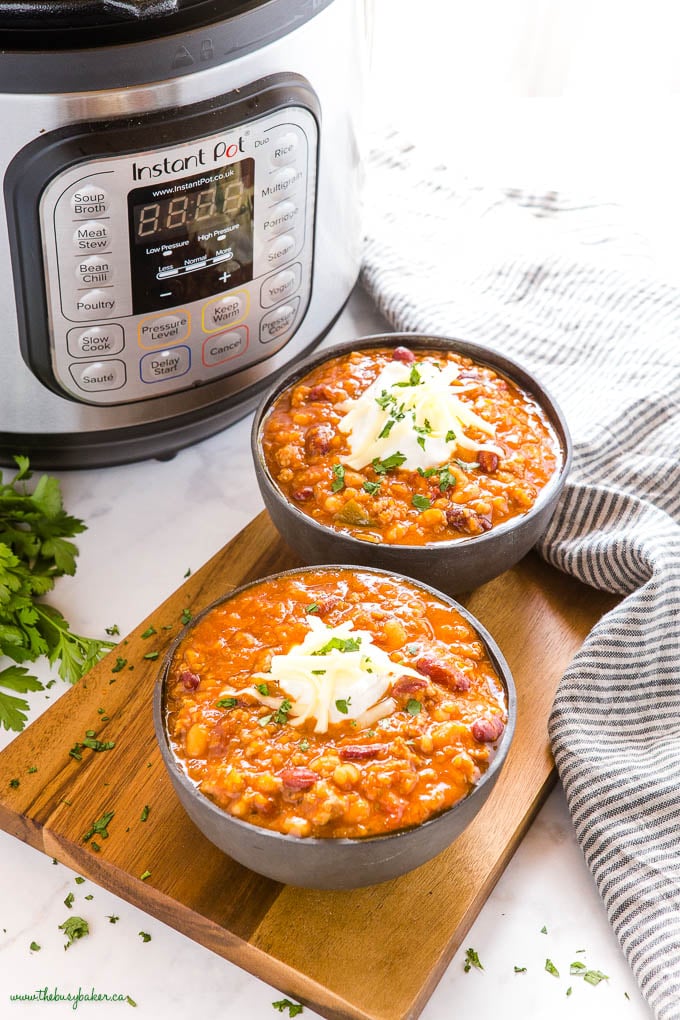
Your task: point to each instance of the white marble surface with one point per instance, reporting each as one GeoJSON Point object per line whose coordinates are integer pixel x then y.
{"type": "Point", "coordinates": [148, 523]}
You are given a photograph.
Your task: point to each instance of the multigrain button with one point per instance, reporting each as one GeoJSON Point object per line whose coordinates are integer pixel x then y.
{"type": "Point", "coordinates": [224, 346]}
{"type": "Point", "coordinates": [94, 271]}
{"type": "Point", "coordinates": [89, 199]}
{"type": "Point", "coordinates": [281, 285]}
{"type": "Point", "coordinates": [281, 250]}
{"type": "Point", "coordinates": [282, 216]}
{"type": "Point", "coordinates": [278, 321]}
{"type": "Point", "coordinates": [161, 330]}
{"type": "Point", "coordinates": [285, 148]}
{"type": "Point", "coordinates": [103, 340]}
{"type": "Point", "coordinates": [95, 304]}
{"type": "Point", "coordinates": [224, 311]}
{"type": "Point", "coordinates": [91, 237]}
{"type": "Point", "coordinates": [96, 376]}
{"type": "Point", "coordinates": [163, 365]}
{"type": "Point", "coordinates": [281, 184]}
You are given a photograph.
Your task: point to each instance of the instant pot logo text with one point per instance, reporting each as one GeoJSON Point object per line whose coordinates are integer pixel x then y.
{"type": "Point", "coordinates": [200, 158]}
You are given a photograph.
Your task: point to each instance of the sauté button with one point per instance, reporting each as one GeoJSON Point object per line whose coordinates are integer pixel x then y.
{"type": "Point", "coordinates": [164, 365]}
{"type": "Point", "coordinates": [103, 340]}
{"type": "Point", "coordinates": [93, 236]}
{"type": "Point", "coordinates": [278, 321]}
{"type": "Point", "coordinates": [89, 199]}
{"type": "Point", "coordinates": [96, 376]}
{"type": "Point", "coordinates": [161, 330]}
{"type": "Point", "coordinates": [281, 285]}
{"type": "Point", "coordinates": [224, 346]}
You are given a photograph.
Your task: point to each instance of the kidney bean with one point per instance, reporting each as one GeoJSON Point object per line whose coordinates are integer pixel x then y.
{"type": "Point", "coordinates": [455, 518]}
{"type": "Point", "coordinates": [487, 729]}
{"type": "Point", "coordinates": [488, 461]}
{"type": "Point", "coordinates": [327, 604]}
{"type": "Point", "coordinates": [302, 495]}
{"type": "Point", "coordinates": [190, 681]}
{"type": "Point", "coordinates": [443, 672]}
{"type": "Point", "coordinates": [318, 439]}
{"type": "Point", "coordinates": [403, 354]}
{"type": "Point", "coordinates": [408, 685]}
{"type": "Point", "coordinates": [298, 778]}
{"type": "Point", "coordinates": [320, 392]}
{"type": "Point", "coordinates": [359, 752]}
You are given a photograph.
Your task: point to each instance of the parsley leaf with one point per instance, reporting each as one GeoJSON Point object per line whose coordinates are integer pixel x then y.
{"type": "Point", "coordinates": [342, 705]}
{"type": "Point", "coordinates": [338, 482]}
{"type": "Point", "coordinates": [371, 487]}
{"type": "Point", "coordinates": [413, 707]}
{"type": "Point", "coordinates": [294, 1008]}
{"type": "Point", "coordinates": [450, 436]}
{"type": "Point", "coordinates": [13, 711]}
{"type": "Point", "coordinates": [381, 467]}
{"type": "Point", "coordinates": [551, 968]}
{"type": "Point", "coordinates": [421, 502]}
{"type": "Point", "coordinates": [472, 960]}
{"type": "Point", "coordinates": [74, 928]}
{"type": "Point", "coordinates": [226, 703]}
{"type": "Point", "coordinates": [342, 645]}
{"type": "Point", "coordinates": [280, 716]}
{"type": "Point", "coordinates": [99, 828]}
{"type": "Point", "coordinates": [145, 937]}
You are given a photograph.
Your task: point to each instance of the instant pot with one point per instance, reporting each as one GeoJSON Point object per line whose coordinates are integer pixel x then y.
{"type": "Point", "coordinates": [180, 216]}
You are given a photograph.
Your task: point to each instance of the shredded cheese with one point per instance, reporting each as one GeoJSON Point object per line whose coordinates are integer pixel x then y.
{"type": "Point", "coordinates": [335, 668]}
{"type": "Point", "coordinates": [428, 420]}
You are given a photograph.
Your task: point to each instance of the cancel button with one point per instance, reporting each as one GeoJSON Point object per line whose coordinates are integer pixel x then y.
{"type": "Point", "coordinates": [225, 346]}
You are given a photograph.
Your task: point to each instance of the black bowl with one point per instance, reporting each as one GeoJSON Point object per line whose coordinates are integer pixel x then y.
{"type": "Point", "coordinates": [455, 566]}
{"type": "Point", "coordinates": [332, 863]}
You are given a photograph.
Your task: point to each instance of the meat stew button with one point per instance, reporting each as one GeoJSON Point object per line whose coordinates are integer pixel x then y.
{"type": "Point", "coordinates": [278, 321]}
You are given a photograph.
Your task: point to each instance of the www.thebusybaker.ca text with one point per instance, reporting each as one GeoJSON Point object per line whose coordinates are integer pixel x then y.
{"type": "Point", "coordinates": [54, 995]}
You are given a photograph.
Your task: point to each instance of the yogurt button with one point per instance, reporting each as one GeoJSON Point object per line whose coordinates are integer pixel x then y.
{"type": "Point", "coordinates": [280, 286]}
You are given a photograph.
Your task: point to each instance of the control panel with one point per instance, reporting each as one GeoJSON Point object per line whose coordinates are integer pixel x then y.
{"type": "Point", "coordinates": [167, 268]}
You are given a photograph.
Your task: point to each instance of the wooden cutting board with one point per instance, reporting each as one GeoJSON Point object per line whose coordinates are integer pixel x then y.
{"type": "Point", "coordinates": [539, 618]}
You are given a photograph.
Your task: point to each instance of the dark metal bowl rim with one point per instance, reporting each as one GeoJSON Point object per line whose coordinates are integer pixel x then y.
{"type": "Point", "coordinates": [171, 760]}
{"type": "Point", "coordinates": [482, 355]}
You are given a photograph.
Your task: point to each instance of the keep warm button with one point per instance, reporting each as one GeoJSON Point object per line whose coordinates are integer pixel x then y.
{"type": "Point", "coordinates": [163, 365]}
{"type": "Point", "coordinates": [278, 321]}
{"type": "Point", "coordinates": [161, 330]}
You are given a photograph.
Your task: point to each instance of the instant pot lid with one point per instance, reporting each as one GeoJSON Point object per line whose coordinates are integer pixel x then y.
{"type": "Point", "coordinates": [79, 45]}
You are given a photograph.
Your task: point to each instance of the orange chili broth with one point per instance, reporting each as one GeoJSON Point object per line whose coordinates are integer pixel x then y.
{"type": "Point", "coordinates": [425, 762]}
{"type": "Point", "coordinates": [478, 500]}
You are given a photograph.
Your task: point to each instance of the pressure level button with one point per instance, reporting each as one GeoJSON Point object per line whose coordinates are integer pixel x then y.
{"type": "Point", "coordinates": [90, 199]}
{"type": "Point", "coordinates": [95, 340]}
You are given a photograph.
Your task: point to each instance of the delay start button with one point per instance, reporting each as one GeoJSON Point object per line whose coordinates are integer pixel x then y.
{"type": "Point", "coordinates": [163, 365]}
{"type": "Point", "coordinates": [102, 340]}
{"type": "Point", "coordinates": [278, 321]}
{"type": "Point", "coordinates": [161, 330]}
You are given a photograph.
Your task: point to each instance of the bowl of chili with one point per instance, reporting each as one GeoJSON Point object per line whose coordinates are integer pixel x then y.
{"type": "Point", "coordinates": [433, 456]}
{"type": "Point", "coordinates": [334, 727]}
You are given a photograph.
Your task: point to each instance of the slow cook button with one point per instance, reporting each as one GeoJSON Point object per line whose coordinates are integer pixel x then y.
{"type": "Point", "coordinates": [94, 271]}
{"type": "Point", "coordinates": [225, 346]}
{"type": "Point", "coordinates": [278, 321]}
{"type": "Point", "coordinates": [89, 199]}
{"type": "Point", "coordinates": [92, 236]}
{"type": "Point", "coordinates": [282, 285]}
{"type": "Point", "coordinates": [285, 148]}
{"type": "Point", "coordinates": [161, 330]}
{"type": "Point", "coordinates": [95, 304]}
{"type": "Point", "coordinates": [283, 216]}
{"type": "Point", "coordinates": [84, 343]}
{"type": "Point", "coordinates": [164, 365]}
{"type": "Point", "coordinates": [96, 376]}
{"type": "Point", "coordinates": [224, 311]}
{"type": "Point", "coordinates": [281, 250]}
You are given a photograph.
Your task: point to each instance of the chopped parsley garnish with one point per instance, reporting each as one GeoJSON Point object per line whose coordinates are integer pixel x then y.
{"type": "Point", "coordinates": [413, 706]}
{"type": "Point", "coordinates": [144, 875]}
{"type": "Point", "coordinates": [145, 937]}
{"type": "Point", "coordinates": [113, 918]}
{"type": "Point", "coordinates": [74, 928]}
{"type": "Point", "coordinates": [304, 744]}
{"type": "Point", "coordinates": [99, 828]}
{"type": "Point", "coordinates": [186, 616]}
{"type": "Point", "coordinates": [313, 607]}
{"type": "Point", "coordinates": [95, 846]}
{"type": "Point", "coordinates": [387, 428]}
{"type": "Point", "coordinates": [294, 1008]}
{"type": "Point", "coordinates": [446, 479]}
{"type": "Point", "coordinates": [89, 896]}
{"type": "Point", "coordinates": [145, 813]}
{"type": "Point", "coordinates": [593, 977]}
{"type": "Point", "coordinates": [385, 399]}
{"type": "Point", "coordinates": [544, 930]}
{"type": "Point", "coordinates": [34, 947]}
{"type": "Point", "coordinates": [421, 502]}
{"type": "Point", "coordinates": [226, 703]}
{"type": "Point", "coordinates": [149, 631]}
{"type": "Point", "coordinates": [120, 664]}
{"type": "Point", "coordinates": [68, 902]}
{"type": "Point", "coordinates": [472, 960]}
{"type": "Point", "coordinates": [318, 672]}
{"type": "Point", "coordinates": [280, 716]}
{"type": "Point", "coordinates": [342, 645]}
{"type": "Point", "coordinates": [450, 436]}
{"type": "Point", "coordinates": [371, 487]}
{"type": "Point", "coordinates": [342, 705]}
{"type": "Point", "coordinates": [338, 482]}
{"type": "Point", "coordinates": [113, 630]}
{"type": "Point", "coordinates": [151, 655]}
{"type": "Point", "coordinates": [413, 379]}
{"type": "Point", "coordinates": [551, 968]}
{"type": "Point", "coordinates": [14, 783]}
{"type": "Point", "coordinates": [263, 689]}
{"type": "Point", "coordinates": [520, 970]}
{"type": "Point", "coordinates": [381, 467]}
{"type": "Point", "coordinates": [79, 880]}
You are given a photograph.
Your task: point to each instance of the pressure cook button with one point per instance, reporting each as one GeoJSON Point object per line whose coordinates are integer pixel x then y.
{"type": "Point", "coordinates": [92, 237]}
{"type": "Point", "coordinates": [282, 183]}
{"type": "Point", "coordinates": [283, 216]}
{"type": "Point", "coordinates": [89, 199]}
{"type": "Point", "coordinates": [94, 271]}
{"type": "Point", "coordinates": [103, 340]}
{"type": "Point", "coordinates": [225, 346]}
{"type": "Point", "coordinates": [282, 285]}
{"type": "Point", "coordinates": [278, 321]}
{"type": "Point", "coordinates": [281, 250]}
{"type": "Point", "coordinates": [225, 311]}
{"type": "Point", "coordinates": [285, 148]}
{"type": "Point", "coordinates": [161, 330]}
{"type": "Point", "coordinates": [95, 304]}
{"type": "Point", "coordinates": [164, 365]}
{"type": "Point", "coordinates": [96, 376]}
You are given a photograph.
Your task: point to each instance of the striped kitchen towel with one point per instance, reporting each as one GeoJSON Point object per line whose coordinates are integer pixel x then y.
{"type": "Point", "coordinates": [561, 287]}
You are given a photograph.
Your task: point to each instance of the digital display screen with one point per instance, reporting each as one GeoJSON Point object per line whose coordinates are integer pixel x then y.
{"type": "Point", "coordinates": [191, 238]}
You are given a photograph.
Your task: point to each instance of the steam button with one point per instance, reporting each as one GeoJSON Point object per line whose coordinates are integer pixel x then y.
{"type": "Point", "coordinates": [281, 250]}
